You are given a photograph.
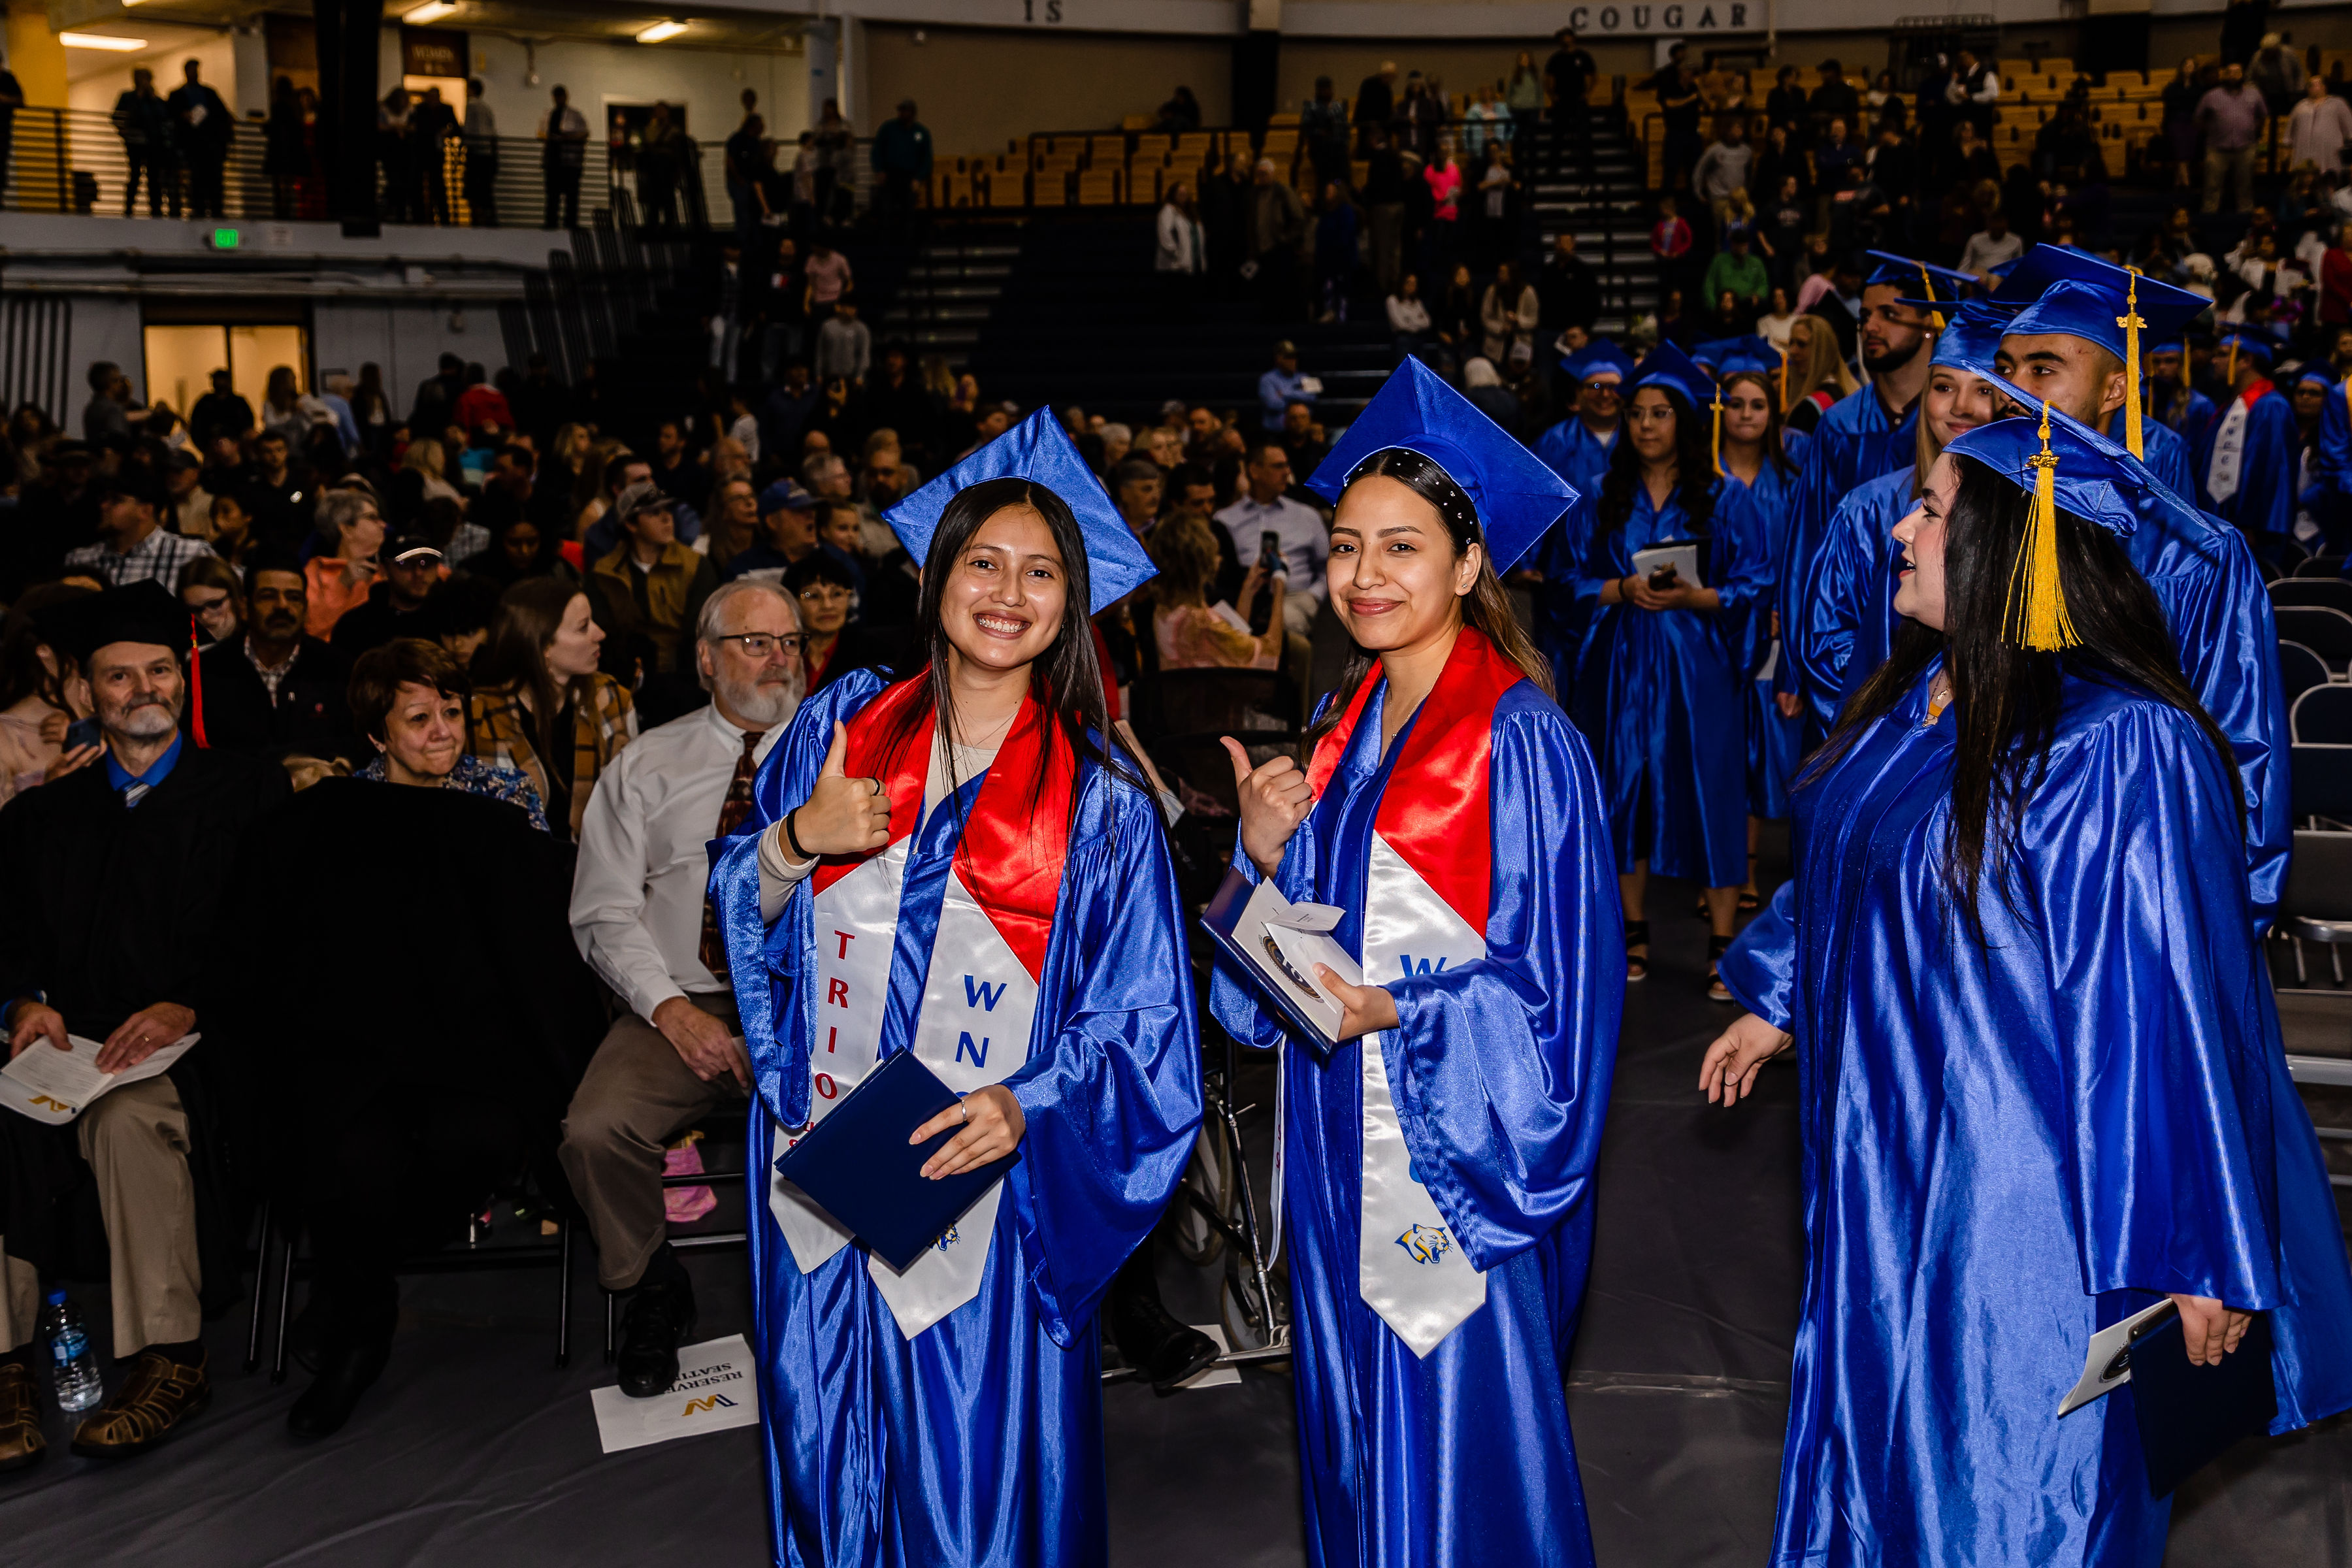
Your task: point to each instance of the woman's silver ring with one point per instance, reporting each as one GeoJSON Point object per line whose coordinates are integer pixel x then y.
{"type": "Point", "coordinates": [876, 784]}
{"type": "Point", "coordinates": [965, 1110]}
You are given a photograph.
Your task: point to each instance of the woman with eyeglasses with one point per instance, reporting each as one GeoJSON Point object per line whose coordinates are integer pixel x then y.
{"type": "Point", "coordinates": [959, 866]}
{"type": "Point", "coordinates": [826, 591]}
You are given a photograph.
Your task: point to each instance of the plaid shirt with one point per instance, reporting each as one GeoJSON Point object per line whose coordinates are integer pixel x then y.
{"type": "Point", "coordinates": [159, 556]}
{"type": "Point", "coordinates": [498, 729]}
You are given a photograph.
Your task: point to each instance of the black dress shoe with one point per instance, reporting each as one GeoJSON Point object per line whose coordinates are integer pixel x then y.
{"type": "Point", "coordinates": [1160, 1350]}
{"type": "Point", "coordinates": [344, 1373]}
{"type": "Point", "coordinates": [657, 1318]}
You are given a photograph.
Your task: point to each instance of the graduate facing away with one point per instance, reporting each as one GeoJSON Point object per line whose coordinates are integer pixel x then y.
{"type": "Point", "coordinates": [1437, 1163]}
{"type": "Point", "coordinates": [957, 865]}
{"type": "Point", "coordinates": [2042, 1084]}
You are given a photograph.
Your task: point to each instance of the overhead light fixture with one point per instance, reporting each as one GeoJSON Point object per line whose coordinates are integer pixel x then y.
{"type": "Point", "coordinates": [431, 11]}
{"type": "Point", "coordinates": [128, 4]}
{"type": "Point", "coordinates": [100, 41]}
{"type": "Point", "coordinates": [660, 30]}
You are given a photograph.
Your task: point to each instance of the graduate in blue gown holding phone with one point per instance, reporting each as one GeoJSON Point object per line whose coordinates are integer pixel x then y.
{"type": "Point", "coordinates": [2043, 1087]}
{"type": "Point", "coordinates": [957, 865]}
{"type": "Point", "coordinates": [1437, 1163]}
{"type": "Point", "coordinates": [1663, 675]}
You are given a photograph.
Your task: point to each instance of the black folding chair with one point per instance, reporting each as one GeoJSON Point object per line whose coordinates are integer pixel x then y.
{"type": "Point", "coordinates": [2317, 904]}
{"type": "Point", "coordinates": [2322, 716]}
{"type": "Point", "coordinates": [2321, 566]}
{"type": "Point", "coordinates": [2325, 632]}
{"type": "Point", "coordinates": [2300, 670]}
{"type": "Point", "coordinates": [2320, 782]}
{"type": "Point", "coordinates": [2330, 593]}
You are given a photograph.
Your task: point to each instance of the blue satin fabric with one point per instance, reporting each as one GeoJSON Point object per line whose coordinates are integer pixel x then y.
{"type": "Point", "coordinates": [980, 1441]}
{"type": "Point", "coordinates": [2010, 1145]}
{"type": "Point", "coordinates": [2329, 496]}
{"type": "Point", "coordinates": [1848, 620]}
{"type": "Point", "coordinates": [1658, 691]}
{"type": "Point", "coordinates": [1775, 741]}
{"type": "Point", "coordinates": [1576, 455]}
{"type": "Point", "coordinates": [2263, 506]}
{"type": "Point", "coordinates": [2166, 454]}
{"type": "Point", "coordinates": [1854, 442]}
{"type": "Point", "coordinates": [1500, 1072]}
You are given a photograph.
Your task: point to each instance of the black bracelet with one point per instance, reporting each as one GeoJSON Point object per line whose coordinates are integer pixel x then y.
{"type": "Point", "coordinates": [794, 838]}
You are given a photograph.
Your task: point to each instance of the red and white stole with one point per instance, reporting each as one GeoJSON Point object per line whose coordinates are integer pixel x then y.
{"type": "Point", "coordinates": [988, 955]}
{"type": "Point", "coordinates": [2229, 463]}
{"type": "Point", "coordinates": [1426, 884]}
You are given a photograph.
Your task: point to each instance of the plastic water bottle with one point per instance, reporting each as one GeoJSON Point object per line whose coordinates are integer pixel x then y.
{"type": "Point", "coordinates": [79, 1385]}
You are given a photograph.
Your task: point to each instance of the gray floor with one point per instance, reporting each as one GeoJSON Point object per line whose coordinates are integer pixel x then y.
{"type": "Point", "coordinates": [473, 1450]}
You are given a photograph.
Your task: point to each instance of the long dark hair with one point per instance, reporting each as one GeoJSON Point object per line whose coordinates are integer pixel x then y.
{"type": "Point", "coordinates": [515, 653]}
{"type": "Point", "coordinates": [1776, 454]}
{"type": "Point", "coordinates": [1693, 467]}
{"type": "Point", "coordinates": [1066, 678]}
{"type": "Point", "coordinates": [2006, 698]}
{"type": "Point", "coordinates": [1485, 608]}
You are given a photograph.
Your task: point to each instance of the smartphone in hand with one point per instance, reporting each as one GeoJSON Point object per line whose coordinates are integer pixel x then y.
{"type": "Point", "coordinates": [81, 732]}
{"type": "Point", "coordinates": [1269, 550]}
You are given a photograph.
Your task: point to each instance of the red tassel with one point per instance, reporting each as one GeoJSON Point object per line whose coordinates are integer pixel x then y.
{"type": "Point", "coordinates": [196, 689]}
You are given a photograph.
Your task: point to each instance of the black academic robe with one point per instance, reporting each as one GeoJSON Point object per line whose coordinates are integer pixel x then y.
{"type": "Point", "coordinates": [311, 716]}
{"type": "Point", "coordinates": [452, 966]}
{"type": "Point", "coordinates": [107, 909]}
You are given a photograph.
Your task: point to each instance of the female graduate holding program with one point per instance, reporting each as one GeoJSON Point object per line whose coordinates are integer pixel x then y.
{"type": "Point", "coordinates": [955, 865]}
{"type": "Point", "coordinates": [2043, 1087]}
{"type": "Point", "coordinates": [1438, 1163]}
{"type": "Point", "coordinates": [1663, 686]}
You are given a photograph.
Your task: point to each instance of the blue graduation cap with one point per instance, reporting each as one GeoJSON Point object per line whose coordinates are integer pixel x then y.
{"type": "Point", "coordinates": [1039, 450]}
{"type": "Point", "coordinates": [2067, 290]}
{"type": "Point", "coordinates": [1669, 367]}
{"type": "Point", "coordinates": [2062, 462]}
{"type": "Point", "coordinates": [1944, 287]}
{"type": "Point", "coordinates": [2254, 345]}
{"type": "Point", "coordinates": [1599, 357]}
{"type": "Point", "coordinates": [2315, 370]}
{"type": "Point", "coordinates": [1748, 354]}
{"type": "Point", "coordinates": [1516, 495]}
{"type": "Point", "coordinates": [1971, 335]}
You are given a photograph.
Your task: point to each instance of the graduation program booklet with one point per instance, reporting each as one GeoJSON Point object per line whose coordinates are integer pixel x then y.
{"type": "Point", "coordinates": [1277, 944]}
{"type": "Point", "coordinates": [1682, 558]}
{"type": "Point", "coordinates": [54, 1086]}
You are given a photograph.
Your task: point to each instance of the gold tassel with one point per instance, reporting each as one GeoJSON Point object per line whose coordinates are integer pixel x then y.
{"type": "Point", "coordinates": [1929, 284]}
{"type": "Point", "coordinates": [2036, 617]}
{"type": "Point", "coordinates": [1718, 439]}
{"type": "Point", "coordinates": [2131, 323]}
{"type": "Point", "coordinates": [1784, 381]}
{"type": "Point", "coordinates": [2229, 371]}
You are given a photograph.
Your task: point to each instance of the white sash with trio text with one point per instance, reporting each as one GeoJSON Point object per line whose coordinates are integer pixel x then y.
{"type": "Point", "coordinates": [979, 1004]}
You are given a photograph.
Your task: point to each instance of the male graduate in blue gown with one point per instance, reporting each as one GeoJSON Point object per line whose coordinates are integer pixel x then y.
{"type": "Point", "coordinates": [2171, 400]}
{"type": "Point", "coordinates": [2246, 468]}
{"type": "Point", "coordinates": [1868, 432]}
{"type": "Point", "coordinates": [1578, 451]}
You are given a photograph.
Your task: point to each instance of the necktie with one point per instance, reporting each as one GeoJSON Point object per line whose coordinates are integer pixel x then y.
{"type": "Point", "coordinates": [731, 813]}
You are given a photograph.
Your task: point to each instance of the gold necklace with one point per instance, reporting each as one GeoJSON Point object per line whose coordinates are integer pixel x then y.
{"type": "Point", "coordinates": [1940, 697]}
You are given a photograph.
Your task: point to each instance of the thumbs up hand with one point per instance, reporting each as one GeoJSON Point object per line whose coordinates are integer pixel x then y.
{"type": "Point", "coordinates": [841, 816]}
{"type": "Point", "coordinates": [1275, 800]}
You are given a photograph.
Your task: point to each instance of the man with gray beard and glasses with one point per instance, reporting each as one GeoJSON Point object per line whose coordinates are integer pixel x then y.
{"type": "Point", "coordinates": [641, 916]}
{"type": "Point", "coordinates": [111, 932]}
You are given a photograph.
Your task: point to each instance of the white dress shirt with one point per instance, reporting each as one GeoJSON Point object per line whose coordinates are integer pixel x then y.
{"type": "Point", "coordinates": [1296, 526]}
{"type": "Point", "coordinates": [644, 864]}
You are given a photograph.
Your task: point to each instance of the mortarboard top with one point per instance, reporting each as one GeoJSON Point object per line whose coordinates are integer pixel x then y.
{"type": "Point", "coordinates": [1516, 495]}
{"type": "Point", "coordinates": [1945, 286]}
{"type": "Point", "coordinates": [2067, 290]}
{"type": "Point", "coordinates": [1039, 450]}
{"type": "Point", "coordinates": [142, 612]}
{"type": "Point", "coordinates": [2252, 346]}
{"type": "Point", "coordinates": [1747, 354]}
{"type": "Point", "coordinates": [1599, 357]}
{"type": "Point", "coordinates": [2315, 370]}
{"type": "Point", "coordinates": [1669, 367]}
{"type": "Point", "coordinates": [1971, 335]}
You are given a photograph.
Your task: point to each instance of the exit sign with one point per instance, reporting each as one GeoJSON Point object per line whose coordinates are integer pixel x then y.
{"type": "Point", "coordinates": [224, 238]}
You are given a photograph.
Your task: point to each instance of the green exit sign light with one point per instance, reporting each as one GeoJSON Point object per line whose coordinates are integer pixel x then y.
{"type": "Point", "coordinates": [225, 239]}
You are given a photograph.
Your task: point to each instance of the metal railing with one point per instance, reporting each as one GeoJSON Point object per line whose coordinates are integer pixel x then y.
{"type": "Point", "coordinates": [76, 160]}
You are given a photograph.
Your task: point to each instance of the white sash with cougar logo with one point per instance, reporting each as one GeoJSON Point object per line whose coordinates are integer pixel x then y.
{"type": "Point", "coordinates": [979, 1005]}
{"type": "Point", "coordinates": [1411, 1269]}
{"type": "Point", "coordinates": [2229, 451]}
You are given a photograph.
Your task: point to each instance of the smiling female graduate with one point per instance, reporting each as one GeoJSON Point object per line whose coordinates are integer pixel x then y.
{"type": "Point", "coordinates": [2043, 1087]}
{"type": "Point", "coordinates": [957, 865]}
{"type": "Point", "coordinates": [1437, 1163]}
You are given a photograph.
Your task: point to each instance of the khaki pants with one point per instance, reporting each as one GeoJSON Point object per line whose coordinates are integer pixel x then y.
{"type": "Point", "coordinates": [2237, 169]}
{"type": "Point", "coordinates": [636, 1096]}
{"type": "Point", "coordinates": [136, 1142]}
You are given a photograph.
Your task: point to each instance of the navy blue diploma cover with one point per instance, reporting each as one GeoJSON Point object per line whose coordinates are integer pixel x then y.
{"type": "Point", "coordinates": [859, 1168]}
{"type": "Point", "coordinates": [2189, 1414]}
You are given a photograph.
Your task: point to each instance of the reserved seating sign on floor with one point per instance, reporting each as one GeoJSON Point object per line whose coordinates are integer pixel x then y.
{"type": "Point", "coordinates": [714, 1391]}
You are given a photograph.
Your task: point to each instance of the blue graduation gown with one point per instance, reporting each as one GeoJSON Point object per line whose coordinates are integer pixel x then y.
{"type": "Point", "coordinates": [1855, 441]}
{"type": "Point", "coordinates": [2009, 1145]}
{"type": "Point", "coordinates": [1658, 691]}
{"type": "Point", "coordinates": [1848, 620]}
{"type": "Point", "coordinates": [1502, 1068]}
{"type": "Point", "coordinates": [2191, 420]}
{"type": "Point", "coordinates": [2263, 506]}
{"type": "Point", "coordinates": [1572, 450]}
{"type": "Point", "coordinates": [1775, 741]}
{"type": "Point", "coordinates": [2329, 495]}
{"type": "Point", "coordinates": [979, 1441]}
